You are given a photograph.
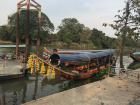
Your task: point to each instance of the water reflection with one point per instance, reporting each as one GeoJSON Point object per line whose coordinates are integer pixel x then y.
{"type": "Point", "coordinates": [36, 87]}
{"type": "Point", "coordinates": [23, 100]}
{"type": "Point", "coordinates": [11, 92]}
{"type": "Point", "coordinates": [2, 97]}
{"type": "Point", "coordinates": [17, 92]}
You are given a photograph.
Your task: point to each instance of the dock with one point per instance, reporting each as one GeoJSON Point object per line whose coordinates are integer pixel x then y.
{"type": "Point", "coordinates": [109, 91]}
{"type": "Point", "coordinates": [12, 69]}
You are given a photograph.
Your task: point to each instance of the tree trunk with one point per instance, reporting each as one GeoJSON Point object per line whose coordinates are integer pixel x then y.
{"type": "Point", "coordinates": [121, 53]}
{"type": "Point", "coordinates": [124, 34]}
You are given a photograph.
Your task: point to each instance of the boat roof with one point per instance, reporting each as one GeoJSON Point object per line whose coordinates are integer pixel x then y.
{"type": "Point", "coordinates": [84, 56]}
{"type": "Point", "coordinates": [11, 46]}
{"type": "Point", "coordinates": [136, 53]}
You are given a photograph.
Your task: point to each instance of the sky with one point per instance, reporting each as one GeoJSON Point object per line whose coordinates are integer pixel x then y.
{"type": "Point", "coordinates": [91, 13]}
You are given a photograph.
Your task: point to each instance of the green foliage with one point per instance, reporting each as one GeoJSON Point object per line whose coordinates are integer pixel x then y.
{"type": "Point", "coordinates": [135, 4]}
{"type": "Point", "coordinates": [128, 20]}
{"type": "Point", "coordinates": [71, 31]}
{"type": "Point", "coordinates": [127, 26]}
{"type": "Point", "coordinates": [4, 33]}
{"type": "Point", "coordinates": [45, 30]}
{"type": "Point", "coordinates": [101, 41]}
{"type": "Point", "coordinates": [76, 36]}
{"type": "Point", "coordinates": [72, 34]}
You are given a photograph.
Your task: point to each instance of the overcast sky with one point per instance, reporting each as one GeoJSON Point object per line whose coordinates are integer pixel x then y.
{"type": "Point", "coordinates": [91, 13]}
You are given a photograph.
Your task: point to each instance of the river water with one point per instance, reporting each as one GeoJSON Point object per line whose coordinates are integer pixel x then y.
{"type": "Point", "coordinates": [15, 92]}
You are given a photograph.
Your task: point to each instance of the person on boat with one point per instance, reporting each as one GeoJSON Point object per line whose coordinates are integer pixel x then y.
{"type": "Point", "coordinates": [46, 53]}
{"type": "Point", "coordinates": [54, 58]}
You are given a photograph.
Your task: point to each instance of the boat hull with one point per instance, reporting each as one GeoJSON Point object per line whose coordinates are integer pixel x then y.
{"type": "Point", "coordinates": [94, 73]}
{"type": "Point", "coordinates": [135, 57]}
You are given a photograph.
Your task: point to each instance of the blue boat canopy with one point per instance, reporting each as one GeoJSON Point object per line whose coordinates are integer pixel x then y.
{"type": "Point", "coordinates": [84, 56]}
{"type": "Point", "coordinates": [136, 53]}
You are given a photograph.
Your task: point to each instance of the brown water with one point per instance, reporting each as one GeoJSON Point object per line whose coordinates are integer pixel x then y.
{"type": "Point", "coordinates": [16, 92]}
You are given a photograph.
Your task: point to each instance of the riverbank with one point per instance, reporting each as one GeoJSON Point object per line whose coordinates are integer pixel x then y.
{"type": "Point", "coordinates": [109, 91]}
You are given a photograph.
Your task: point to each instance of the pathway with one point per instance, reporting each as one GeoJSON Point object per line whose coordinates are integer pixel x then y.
{"type": "Point", "coordinates": [109, 91]}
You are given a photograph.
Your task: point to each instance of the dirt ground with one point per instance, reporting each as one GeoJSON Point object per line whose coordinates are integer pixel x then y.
{"type": "Point", "coordinates": [109, 91]}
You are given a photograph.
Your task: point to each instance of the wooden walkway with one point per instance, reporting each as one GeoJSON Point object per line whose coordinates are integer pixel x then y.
{"type": "Point", "coordinates": [12, 67]}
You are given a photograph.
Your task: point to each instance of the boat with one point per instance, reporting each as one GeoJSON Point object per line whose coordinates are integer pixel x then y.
{"type": "Point", "coordinates": [82, 65]}
{"type": "Point", "coordinates": [78, 65]}
{"type": "Point", "coordinates": [135, 56]}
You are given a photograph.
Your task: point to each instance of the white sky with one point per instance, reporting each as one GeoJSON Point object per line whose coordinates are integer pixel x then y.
{"type": "Point", "coordinates": [91, 13]}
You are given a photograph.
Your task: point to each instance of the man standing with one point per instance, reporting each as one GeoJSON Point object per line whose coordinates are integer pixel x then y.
{"type": "Point", "coordinates": [54, 58]}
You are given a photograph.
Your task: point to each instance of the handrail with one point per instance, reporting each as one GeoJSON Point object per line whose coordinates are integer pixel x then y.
{"type": "Point", "coordinates": [53, 67]}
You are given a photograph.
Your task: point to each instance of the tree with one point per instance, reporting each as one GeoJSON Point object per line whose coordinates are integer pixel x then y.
{"type": "Point", "coordinates": [46, 26]}
{"type": "Point", "coordinates": [85, 35]}
{"type": "Point", "coordinates": [5, 33]}
{"type": "Point", "coordinates": [125, 26]}
{"type": "Point", "coordinates": [71, 31]}
{"type": "Point", "coordinates": [135, 4]}
{"type": "Point", "coordinates": [101, 41]}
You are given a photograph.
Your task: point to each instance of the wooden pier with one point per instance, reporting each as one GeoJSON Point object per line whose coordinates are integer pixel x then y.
{"type": "Point", "coordinates": [10, 69]}
{"type": "Point", "coordinates": [109, 91]}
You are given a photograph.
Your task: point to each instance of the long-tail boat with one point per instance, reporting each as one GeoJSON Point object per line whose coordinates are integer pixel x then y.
{"type": "Point", "coordinates": [135, 56]}
{"type": "Point", "coordinates": [82, 65]}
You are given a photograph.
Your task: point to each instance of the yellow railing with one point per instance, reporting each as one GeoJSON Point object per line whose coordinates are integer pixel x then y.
{"type": "Point", "coordinates": [38, 65]}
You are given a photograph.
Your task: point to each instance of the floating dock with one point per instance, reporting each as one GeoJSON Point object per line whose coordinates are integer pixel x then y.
{"type": "Point", "coordinates": [109, 91]}
{"type": "Point", "coordinates": [10, 70]}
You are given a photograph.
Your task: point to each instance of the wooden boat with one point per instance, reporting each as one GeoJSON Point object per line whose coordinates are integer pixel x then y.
{"type": "Point", "coordinates": [135, 56]}
{"type": "Point", "coordinates": [82, 65]}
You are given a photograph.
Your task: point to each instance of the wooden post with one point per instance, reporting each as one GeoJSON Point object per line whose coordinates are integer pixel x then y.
{"type": "Point", "coordinates": [27, 31]}
{"type": "Point", "coordinates": [26, 4]}
{"type": "Point", "coordinates": [17, 32]}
